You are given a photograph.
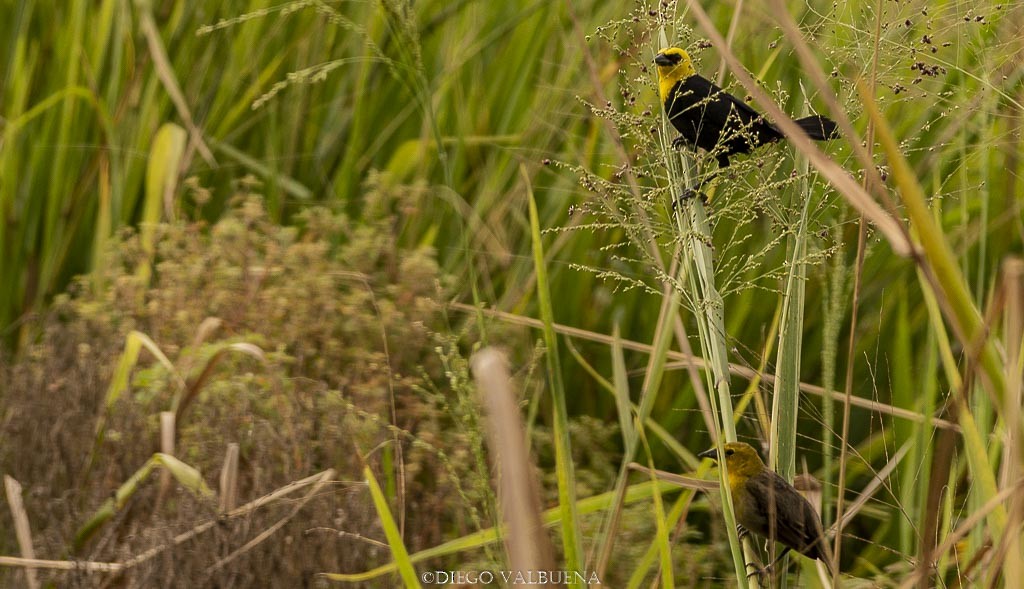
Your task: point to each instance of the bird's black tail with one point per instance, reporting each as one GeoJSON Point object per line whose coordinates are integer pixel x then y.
{"type": "Point", "coordinates": [818, 127]}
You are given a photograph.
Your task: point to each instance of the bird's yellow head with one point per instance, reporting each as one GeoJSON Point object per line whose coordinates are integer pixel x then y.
{"type": "Point", "coordinates": [741, 460]}
{"type": "Point", "coordinates": [674, 65]}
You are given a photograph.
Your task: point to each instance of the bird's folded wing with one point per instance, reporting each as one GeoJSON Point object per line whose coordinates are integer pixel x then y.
{"type": "Point", "coordinates": [773, 495]}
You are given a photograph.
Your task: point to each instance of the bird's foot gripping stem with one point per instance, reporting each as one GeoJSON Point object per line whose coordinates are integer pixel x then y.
{"type": "Point", "coordinates": [687, 194]}
{"type": "Point", "coordinates": [741, 533]}
{"type": "Point", "coordinates": [759, 571]}
{"type": "Point", "coordinates": [695, 191]}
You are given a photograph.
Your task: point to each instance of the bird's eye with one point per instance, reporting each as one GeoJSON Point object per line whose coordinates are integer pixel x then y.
{"type": "Point", "coordinates": [728, 452]}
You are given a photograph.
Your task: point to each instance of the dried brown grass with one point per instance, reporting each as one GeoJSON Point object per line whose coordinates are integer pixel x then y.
{"type": "Point", "coordinates": [343, 314]}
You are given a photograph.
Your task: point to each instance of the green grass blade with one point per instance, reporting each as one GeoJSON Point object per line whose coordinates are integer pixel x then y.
{"type": "Point", "coordinates": [662, 536]}
{"type": "Point", "coordinates": [786, 397]}
{"type": "Point", "coordinates": [620, 377]}
{"type": "Point", "coordinates": [289, 185]}
{"type": "Point", "coordinates": [187, 476]}
{"type": "Point", "coordinates": [161, 181]}
{"type": "Point", "coordinates": [398, 551]}
{"type": "Point", "coordinates": [563, 453]}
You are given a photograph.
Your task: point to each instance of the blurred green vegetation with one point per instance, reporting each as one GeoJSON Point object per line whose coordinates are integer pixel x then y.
{"type": "Point", "coordinates": [459, 110]}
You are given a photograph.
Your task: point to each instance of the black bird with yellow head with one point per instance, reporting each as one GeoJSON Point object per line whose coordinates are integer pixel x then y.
{"type": "Point", "coordinates": [710, 118]}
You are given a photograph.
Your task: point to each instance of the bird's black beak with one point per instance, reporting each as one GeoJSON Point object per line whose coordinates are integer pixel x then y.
{"type": "Point", "coordinates": [662, 59]}
{"type": "Point", "coordinates": [712, 454]}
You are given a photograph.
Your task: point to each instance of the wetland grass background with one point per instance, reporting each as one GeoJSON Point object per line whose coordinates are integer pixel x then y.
{"type": "Point", "coordinates": [292, 225]}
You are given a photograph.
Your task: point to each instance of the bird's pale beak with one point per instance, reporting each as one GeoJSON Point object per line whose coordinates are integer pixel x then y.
{"type": "Point", "coordinates": [712, 454]}
{"type": "Point", "coordinates": [662, 59]}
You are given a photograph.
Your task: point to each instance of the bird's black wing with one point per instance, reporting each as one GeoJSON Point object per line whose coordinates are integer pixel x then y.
{"type": "Point", "coordinates": [706, 115]}
{"type": "Point", "coordinates": [745, 111]}
{"type": "Point", "coordinates": [699, 110]}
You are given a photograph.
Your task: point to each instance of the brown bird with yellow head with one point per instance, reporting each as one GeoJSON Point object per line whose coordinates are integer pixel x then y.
{"type": "Point", "coordinates": [767, 505]}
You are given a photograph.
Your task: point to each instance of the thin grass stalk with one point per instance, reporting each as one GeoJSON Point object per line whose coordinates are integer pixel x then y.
{"type": "Point", "coordinates": [922, 452]}
{"type": "Point", "coordinates": [168, 79]}
{"type": "Point", "coordinates": [628, 428]}
{"type": "Point", "coordinates": [571, 544]}
{"type": "Point", "coordinates": [526, 543]}
{"type": "Point", "coordinates": [906, 391]}
{"type": "Point", "coordinates": [228, 488]}
{"type": "Point", "coordinates": [662, 535]}
{"type": "Point", "coordinates": [863, 150]}
{"type": "Point", "coordinates": [684, 481]}
{"type": "Point", "coordinates": [355, 141]}
{"type": "Point", "coordinates": [264, 535]}
{"type": "Point", "coordinates": [22, 529]}
{"type": "Point", "coordinates": [981, 405]}
{"type": "Point", "coordinates": [77, 566]}
{"type": "Point", "coordinates": [833, 307]}
{"type": "Point", "coordinates": [1013, 454]}
{"type": "Point", "coordinates": [290, 186]}
{"type": "Point", "coordinates": [983, 475]}
{"type": "Point", "coordinates": [621, 389]}
{"type": "Point", "coordinates": [167, 443]}
{"type": "Point", "coordinates": [679, 508]}
{"type": "Point", "coordinates": [844, 436]}
{"type": "Point", "coordinates": [102, 228]}
{"type": "Point", "coordinates": [691, 370]}
{"type": "Point", "coordinates": [946, 561]}
{"type": "Point", "coordinates": [734, 22]}
{"type": "Point", "coordinates": [412, 72]}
